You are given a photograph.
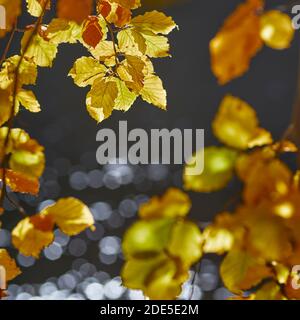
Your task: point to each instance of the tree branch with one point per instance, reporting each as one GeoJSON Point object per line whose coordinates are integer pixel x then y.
{"type": "Point", "coordinates": [3, 155]}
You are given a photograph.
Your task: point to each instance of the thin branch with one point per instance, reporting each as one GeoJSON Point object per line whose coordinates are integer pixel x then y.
{"type": "Point", "coordinates": [113, 40]}
{"type": "Point", "coordinates": [8, 44]}
{"type": "Point", "coordinates": [3, 156]}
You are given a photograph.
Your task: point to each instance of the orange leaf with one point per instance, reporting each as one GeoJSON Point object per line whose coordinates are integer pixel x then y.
{"type": "Point", "coordinates": [75, 10]}
{"type": "Point", "coordinates": [18, 182]}
{"type": "Point", "coordinates": [237, 42]}
{"type": "Point", "coordinates": [124, 16]}
{"type": "Point", "coordinates": [92, 32]}
{"type": "Point", "coordinates": [104, 8]}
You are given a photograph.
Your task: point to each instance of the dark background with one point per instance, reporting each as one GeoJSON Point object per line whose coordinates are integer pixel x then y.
{"type": "Point", "coordinates": [68, 133]}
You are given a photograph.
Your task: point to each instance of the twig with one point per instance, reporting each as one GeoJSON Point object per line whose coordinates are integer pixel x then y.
{"type": "Point", "coordinates": [3, 156]}
{"type": "Point", "coordinates": [8, 44]}
{"type": "Point", "coordinates": [113, 40]}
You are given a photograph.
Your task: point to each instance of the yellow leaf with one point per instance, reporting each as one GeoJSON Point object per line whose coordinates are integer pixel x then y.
{"type": "Point", "coordinates": [13, 9]}
{"type": "Point", "coordinates": [129, 4]}
{"type": "Point", "coordinates": [131, 71]}
{"type": "Point", "coordinates": [29, 163]}
{"type": "Point", "coordinates": [101, 99]}
{"type": "Point", "coordinates": [269, 291]}
{"type": "Point", "coordinates": [147, 237]}
{"type": "Point", "coordinates": [158, 277]}
{"type": "Point", "coordinates": [153, 92]}
{"type": "Point", "coordinates": [41, 51]}
{"type": "Point", "coordinates": [9, 265]}
{"type": "Point", "coordinates": [217, 239]}
{"type": "Point", "coordinates": [156, 46]}
{"type": "Point", "coordinates": [27, 72]}
{"type": "Point", "coordinates": [70, 215]}
{"type": "Point", "coordinates": [174, 203]}
{"type": "Point", "coordinates": [276, 29]}
{"type": "Point", "coordinates": [242, 29]}
{"type": "Point", "coordinates": [28, 100]}
{"type": "Point", "coordinates": [6, 105]}
{"type": "Point", "coordinates": [131, 42]}
{"type": "Point", "coordinates": [236, 125]}
{"type": "Point", "coordinates": [125, 98]}
{"type": "Point", "coordinates": [264, 177]}
{"type": "Point", "coordinates": [267, 235]}
{"type": "Point", "coordinates": [103, 51]}
{"type": "Point", "coordinates": [154, 21]}
{"type": "Point", "coordinates": [63, 31]}
{"type": "Point", "coordinates": [32, 235]}
{"type": "Point", "coordinates": [218, 170]}
{"type": "Point", "coordinates": [27, 155]}
{"type": "Point", "coordinates": [166, 281]}
{"type": "Point", "coordinates": [86, 70]}
{"type": "Point", "coordinates": [35, 7]}
{"type": "Point", "coordinates": [240, 271]}
{"type": "Point", "coordinates": [186, 243]}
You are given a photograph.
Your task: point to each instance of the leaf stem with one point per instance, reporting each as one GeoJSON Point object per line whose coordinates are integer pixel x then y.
{"type": "Point", "coordinates": [113, 40]}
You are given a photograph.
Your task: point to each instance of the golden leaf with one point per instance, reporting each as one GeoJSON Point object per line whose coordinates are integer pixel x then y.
{"type": "Point", "coordinates": [242, 29]}
{"type": "Point", "coordinates": [264, 178]}
{"type": "Point", "coordinates": [154, 21]}
{"type": "Point", "coordinates": [158, 277]}
{"type": "Point", "coordinates": [267, 235]}
{"type": "Point", "coordinates": [276, 29]}
{"type": "Point", "coordinates": [9, 265]}
{"type": "Point", "coordinates": [6, 105]}
{"type": "Point", "coordinates": [125, 98]}
{"type": "Point", "coordinates": [153, 92]}
{"type": "Point", "coordinates": [186, 242]}
{"type": "Point", "coordinates": [217, 240]}
{"type": "Point", "coordinates": [70, 215]}
{"type": "Point", "coordinates": [103, 51]}
{"type": "Point", "coordinates": [32, 235]}
{"type": "Point", "coordinates": [63, 31]}
{"type": "Point", "coordinates": [218, 170]}
{"type": "Point", "coordinates": [240, 271]}
{"type": "Point", "coordinates": [236, 125]}
{"type": "Point", "coordinates": [147, 237]}
{"type": "Point", "coordinates": [101, 99]}
{"type": "Point", "coordinates": [35, 7]}
{"type": "Point", "coordinates": [130, 4]}
{"type": "Point", "coordinates": [174, 203]}
{"type": "Point", "coordinates": [86, 70]}
{"type": "Point", "coordinates": [131, 42]}
{"type": "Point", "coordinates": [27, 72]}
{"type": "Point", "coordinates": [156, 46]}
{"type": "Point", "coordinates": [269, 291]}
{"type": "Point", "coordinates": [27, 156]}
{"type": "Point", "coordinates": [28, 100]}
{"type": "Point", "coordinates": [41, 51]}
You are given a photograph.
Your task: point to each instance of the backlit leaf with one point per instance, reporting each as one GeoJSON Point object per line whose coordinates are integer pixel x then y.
{"type": "Point", "coordinates": [276, 29]}
{"type": "Point", "coordinates": [9, 264]}
{"type": "Point", "coordinates": [236, 125]}
{"type": "Point", "coordinates": [218, 170]}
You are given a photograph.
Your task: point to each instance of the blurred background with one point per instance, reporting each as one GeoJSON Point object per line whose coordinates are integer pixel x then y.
{"type": "Point", "coordinates": [88, 266]}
